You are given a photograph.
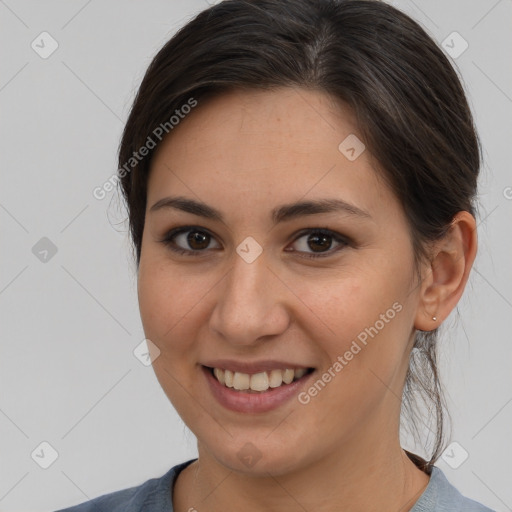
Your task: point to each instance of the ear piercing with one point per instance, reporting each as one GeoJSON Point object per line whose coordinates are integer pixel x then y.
{"type": "Point", "coordinates": [434, 318]}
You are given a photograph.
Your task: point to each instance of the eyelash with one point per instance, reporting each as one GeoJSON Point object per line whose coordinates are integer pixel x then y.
{"type": "Point", "coordinates": [169, 242]}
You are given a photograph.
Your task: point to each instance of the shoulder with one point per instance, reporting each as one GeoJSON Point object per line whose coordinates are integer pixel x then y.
{"type": "Point", "coordinates": [124, 500]}
{"type": "Point", "coordinates": [154, 494]}
{"type": "Point", "coordinates": [441, 496]}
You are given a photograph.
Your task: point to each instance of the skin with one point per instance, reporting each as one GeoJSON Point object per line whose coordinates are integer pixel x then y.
{"type": "Point", "coordinates": [244, 153]}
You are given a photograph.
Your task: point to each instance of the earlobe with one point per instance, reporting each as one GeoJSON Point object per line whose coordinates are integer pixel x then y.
{"type": "Point", "coordinates": [445, 277]}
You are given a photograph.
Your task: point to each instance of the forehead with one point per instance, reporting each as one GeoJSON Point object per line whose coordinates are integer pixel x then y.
{"type": "Point", "coordinates": [264, 147]}
{"type": "Point", "coordinates": [284, 118]}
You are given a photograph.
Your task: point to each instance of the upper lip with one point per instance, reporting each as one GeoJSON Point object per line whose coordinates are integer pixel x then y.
{"type": "Point", "coordinates": [252, 367]}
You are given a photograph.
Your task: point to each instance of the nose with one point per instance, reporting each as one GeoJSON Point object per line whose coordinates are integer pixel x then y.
{"type": "Point", "coordinates": [250, 303]}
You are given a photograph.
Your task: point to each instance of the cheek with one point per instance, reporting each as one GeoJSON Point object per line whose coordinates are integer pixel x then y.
{"type": "Point", "coordinates": [166, 307]}
{"type": "Point", "coordinates": [351, 304]}
{"type": "Point", "coordinates": [166, 296]}
{"type": "Point", "coordinates": [368, 325]}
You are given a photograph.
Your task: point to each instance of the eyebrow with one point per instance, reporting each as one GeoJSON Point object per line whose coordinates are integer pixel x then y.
{"type": "Point", "coordinates": [279, 214]}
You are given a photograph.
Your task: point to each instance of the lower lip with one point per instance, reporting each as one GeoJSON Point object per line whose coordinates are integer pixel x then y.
{"type": "Point", "coordinates": [253, 402]}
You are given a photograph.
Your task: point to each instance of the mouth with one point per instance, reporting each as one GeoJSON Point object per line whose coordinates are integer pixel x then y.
{"type": "Point", "coordinates": [261, 382]}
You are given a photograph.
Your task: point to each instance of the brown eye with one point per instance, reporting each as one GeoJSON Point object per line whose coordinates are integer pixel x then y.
{"type": "Point", "coordinates": [320, 241]}
{"type": "Point", "coordinates": [188, 240]}
{"type": "Point", "coordinates": [194, 241]}
{"type": "Point", "coordinates": [198, 239]}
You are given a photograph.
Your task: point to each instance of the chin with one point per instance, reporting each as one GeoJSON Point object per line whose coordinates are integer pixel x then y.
{"type": "Point", "coordinates": [249, 459]}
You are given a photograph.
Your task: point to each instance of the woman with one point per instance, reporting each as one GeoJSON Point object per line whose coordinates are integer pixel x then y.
{"type": "Point", "coordinates": [299, 177]}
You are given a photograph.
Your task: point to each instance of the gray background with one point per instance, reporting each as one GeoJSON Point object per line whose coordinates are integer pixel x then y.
{"type": "Point", "coordinates": [70, 324]}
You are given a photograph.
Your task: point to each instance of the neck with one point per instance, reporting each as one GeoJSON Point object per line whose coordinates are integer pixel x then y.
{"type": "Point", "coordinates": [380, 477]}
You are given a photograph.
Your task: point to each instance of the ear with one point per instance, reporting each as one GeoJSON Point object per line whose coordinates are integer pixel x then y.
{"type": "Point", "coordinates": [445, 277]}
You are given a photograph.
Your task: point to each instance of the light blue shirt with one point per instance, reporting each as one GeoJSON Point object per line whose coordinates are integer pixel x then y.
{"type": "Point", "coordinates": [155, 495]}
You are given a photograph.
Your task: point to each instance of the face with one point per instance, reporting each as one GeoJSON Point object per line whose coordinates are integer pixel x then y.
{"type": "Point", "coordinates": [263, 287]}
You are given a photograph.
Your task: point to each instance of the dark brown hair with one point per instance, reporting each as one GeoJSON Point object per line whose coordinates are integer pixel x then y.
{"type": "Point", "coordinates": [411, 110]}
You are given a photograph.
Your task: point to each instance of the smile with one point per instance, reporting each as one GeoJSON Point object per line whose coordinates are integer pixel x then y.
{"type": "Point", "coordinates": [258, 382]}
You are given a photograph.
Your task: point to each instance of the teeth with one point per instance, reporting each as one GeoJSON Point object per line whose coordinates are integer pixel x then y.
{"type": "Point", "coordinates": [258, 381]}
{"type": "Point", "coordinates": [288, 376]}
{"type": "Point", "coordinates": [228, 377]}
{"type": "Point", "coordinates": [300, 373]}
{"type": "Point", "coordinates": [276, 378]}
{"type": "Point", "coordinates": [241, 381]}
{"type": "Point", "coordinates": [219, 374]}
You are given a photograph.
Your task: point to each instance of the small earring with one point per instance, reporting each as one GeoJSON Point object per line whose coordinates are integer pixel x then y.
{"type": "Point", "coordinates": [434, 318]}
